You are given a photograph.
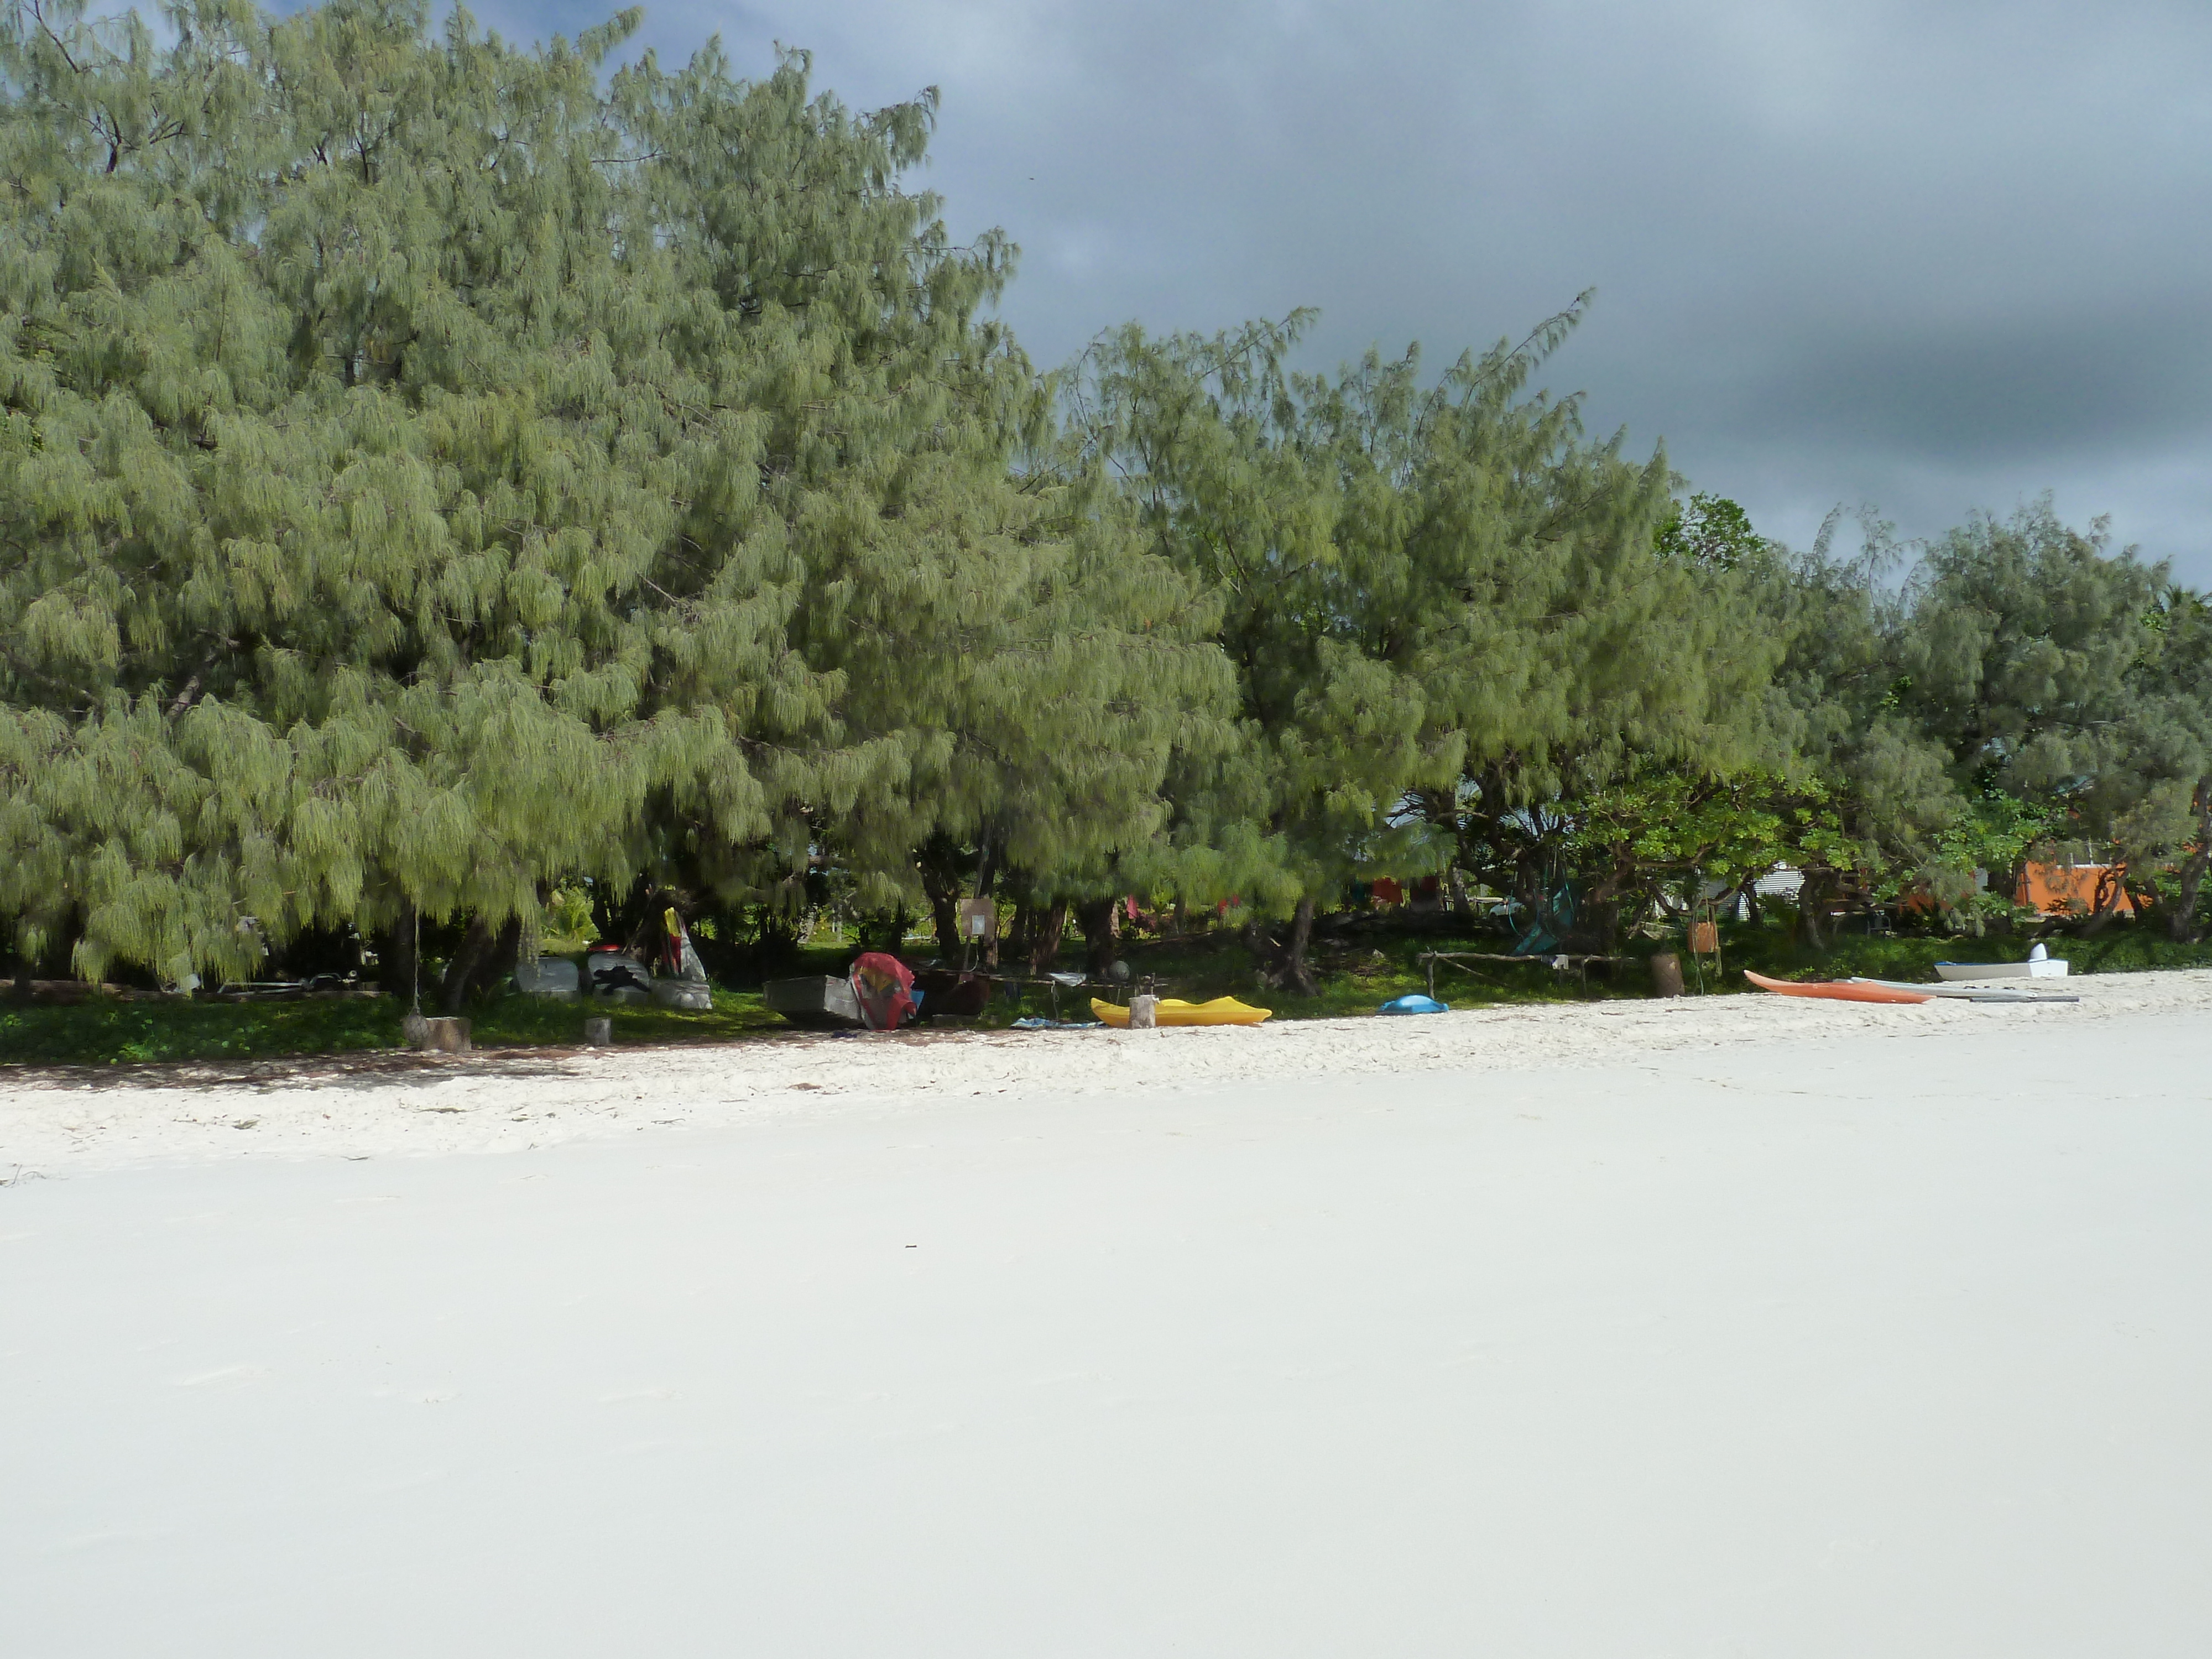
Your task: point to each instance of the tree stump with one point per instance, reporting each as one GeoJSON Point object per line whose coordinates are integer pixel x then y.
{"type": "Point", "coordinates": [438, 1036]}
{"type": "Point", "coordinates": [1142, 1009]}
{"type": "Point", "coordinates": [1665, 973]}
{"type": "Point", "coordinates": [599, 1033]}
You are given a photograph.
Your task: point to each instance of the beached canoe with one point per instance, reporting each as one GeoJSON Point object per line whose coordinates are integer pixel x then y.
{"type": "Point", "coordinates": [1839, 990]}
{"type": "Point", "coordinates": [1174, 1011]}
{"type": "Point", "coordinates": [2015, 991]}
{"type": "Point", "coordinates": [2050, 968]}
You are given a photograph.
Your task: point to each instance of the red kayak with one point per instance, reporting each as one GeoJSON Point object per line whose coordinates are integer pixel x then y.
{"type": "Point", "coordinates": [1839, 990]}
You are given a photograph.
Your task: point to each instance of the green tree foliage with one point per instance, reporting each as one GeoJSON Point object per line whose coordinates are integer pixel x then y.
{"type": "Point", "coordinates": [2019, 650]}
{"type": "Point", "coordinates": [2175, 679]}
{"type": "Point", "coordinates": [1890, 784]}
{"type": "Point", "coordinates": [1657, 845]}
{"type": "Point", "coordinates": [1444, 604]}
{"type": "Point", "coordinates": [432, 469]}
{"type": "Point", "coordinates": [2023, 691]}
{"type": "Point", "coordinates": [1713, 531]}
{"type": "Point", "coordinates": [436, 476]}
{"type": "Point", "coordinates": [2030, 652]}
{"type": "Point", "coordinates": [1278, 493]}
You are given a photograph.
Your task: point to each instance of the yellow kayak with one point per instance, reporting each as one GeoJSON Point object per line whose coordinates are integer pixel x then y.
{"type": "Point", "coordinates": [1174, 1011]}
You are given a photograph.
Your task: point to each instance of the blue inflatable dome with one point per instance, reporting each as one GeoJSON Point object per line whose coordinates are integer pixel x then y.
{"type": "Point", "coordinates": [1415, 1003]}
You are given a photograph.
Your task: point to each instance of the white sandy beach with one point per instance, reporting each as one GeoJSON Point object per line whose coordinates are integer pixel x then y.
{"type": "Point", "coordinates": [511, 1100]}
{"type": "Point", "coordinates": [1737, 1326]}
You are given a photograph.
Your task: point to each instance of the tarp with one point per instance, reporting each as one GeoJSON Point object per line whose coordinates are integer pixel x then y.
{"type": "Point", "coordinates": [886, 988]}
{"type": "Point", "coordinates": [676, 957]}
{"type": "Point", "coordinates": [1548, 927]}
{"type": "Point", "coordinates": [2053, 889]}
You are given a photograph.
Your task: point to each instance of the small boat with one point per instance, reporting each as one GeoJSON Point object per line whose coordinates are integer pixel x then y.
{"type": "Point", "coordinates": [2046, 967]}
{"type": "Point", "coordinates": [1848, 990]}
{"type": "Point", "coordinates": [1174, 1011]}
{"type": "Point", "coordinates": [2013, 991]}
{"type": "Point", "coordinates": [822, 1002]}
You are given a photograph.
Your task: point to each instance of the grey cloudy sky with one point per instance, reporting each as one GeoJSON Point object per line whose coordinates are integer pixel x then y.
{"type": "Point", "coordinates": [1931, 256]}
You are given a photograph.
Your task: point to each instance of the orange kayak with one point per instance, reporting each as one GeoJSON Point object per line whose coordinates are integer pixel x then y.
{"type": "Point", "coordinates": [1839, 990]}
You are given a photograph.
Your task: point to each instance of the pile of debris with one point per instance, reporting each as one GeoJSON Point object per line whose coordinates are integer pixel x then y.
{"type": "Point", "coordinates": [661, 967]}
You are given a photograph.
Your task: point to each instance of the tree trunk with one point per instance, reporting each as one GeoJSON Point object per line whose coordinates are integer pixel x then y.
{"type": "Point", "coordinates": [631, 918]}
{"type": "Point", "coordinates": [1747, 894]}
{"type": "Point", "coordinates": [2147, 905]}
{"type": "Point", "coordinates": [987, 871]}
{"type": "Point", "coordinates": [476, 944]}
{"type": "Point", "coordinates": [2182, 924]}
{"type": "Point", "coordinates": [1812, 909]}
{"type": "Point", "coordinates": [2110, 888]}
{"type": "Point", "coordinates": [395, 956]}
{"type": "Point", "coordinates": [938, 861]}
{"type": "Point", "coordinates": [1296, 974]}
{"type": "Point", "coordinates": [506, 951]}
{"type": "Point", "coordinates": [1600, 910]}
{"type": "Point", "coordinates": [1048, 927]}
{"type": "Point", "coordinates": [944, 915]}
{"type": "Point", "coordinates": [1283, 962]}
{"type": "Point", "coordinates": [607, 908]}
{"type": "Point", "coordinates": [1095, 918]}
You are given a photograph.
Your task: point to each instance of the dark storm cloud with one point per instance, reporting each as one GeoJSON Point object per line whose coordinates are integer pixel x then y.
{"type": "Point", "coordinates": [1936, 256]}
{"type": "Point", "coordinates": [2029, 388]}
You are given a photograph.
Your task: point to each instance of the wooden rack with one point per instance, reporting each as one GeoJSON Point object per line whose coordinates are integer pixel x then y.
{"type": "Point", "coordinates": [1559, 962]}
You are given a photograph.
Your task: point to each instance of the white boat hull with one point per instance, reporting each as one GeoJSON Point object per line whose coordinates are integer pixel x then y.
{"type": "Point", "coordinates": [2053, 968]}
{"type": "Point", "coordinates": [2002, 991]}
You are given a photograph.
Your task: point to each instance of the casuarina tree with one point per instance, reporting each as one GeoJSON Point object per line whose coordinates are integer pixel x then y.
{"type": "Point", "coordinates": [1442, 602]}
{"type": "Point", "coordinates": [432, 469]}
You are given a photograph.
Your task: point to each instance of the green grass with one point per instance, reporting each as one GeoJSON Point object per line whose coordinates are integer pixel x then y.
{"type": "Point", "coordinates": [1358, 971]}
{"type": "Point", "coordinates": [103, 1033]}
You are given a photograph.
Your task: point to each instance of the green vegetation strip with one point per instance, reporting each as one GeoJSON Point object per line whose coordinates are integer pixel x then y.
{"type": "Point", "coordinates": [102, 1033]}
{"type": "Point", "coordinates": [1358, 975]}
